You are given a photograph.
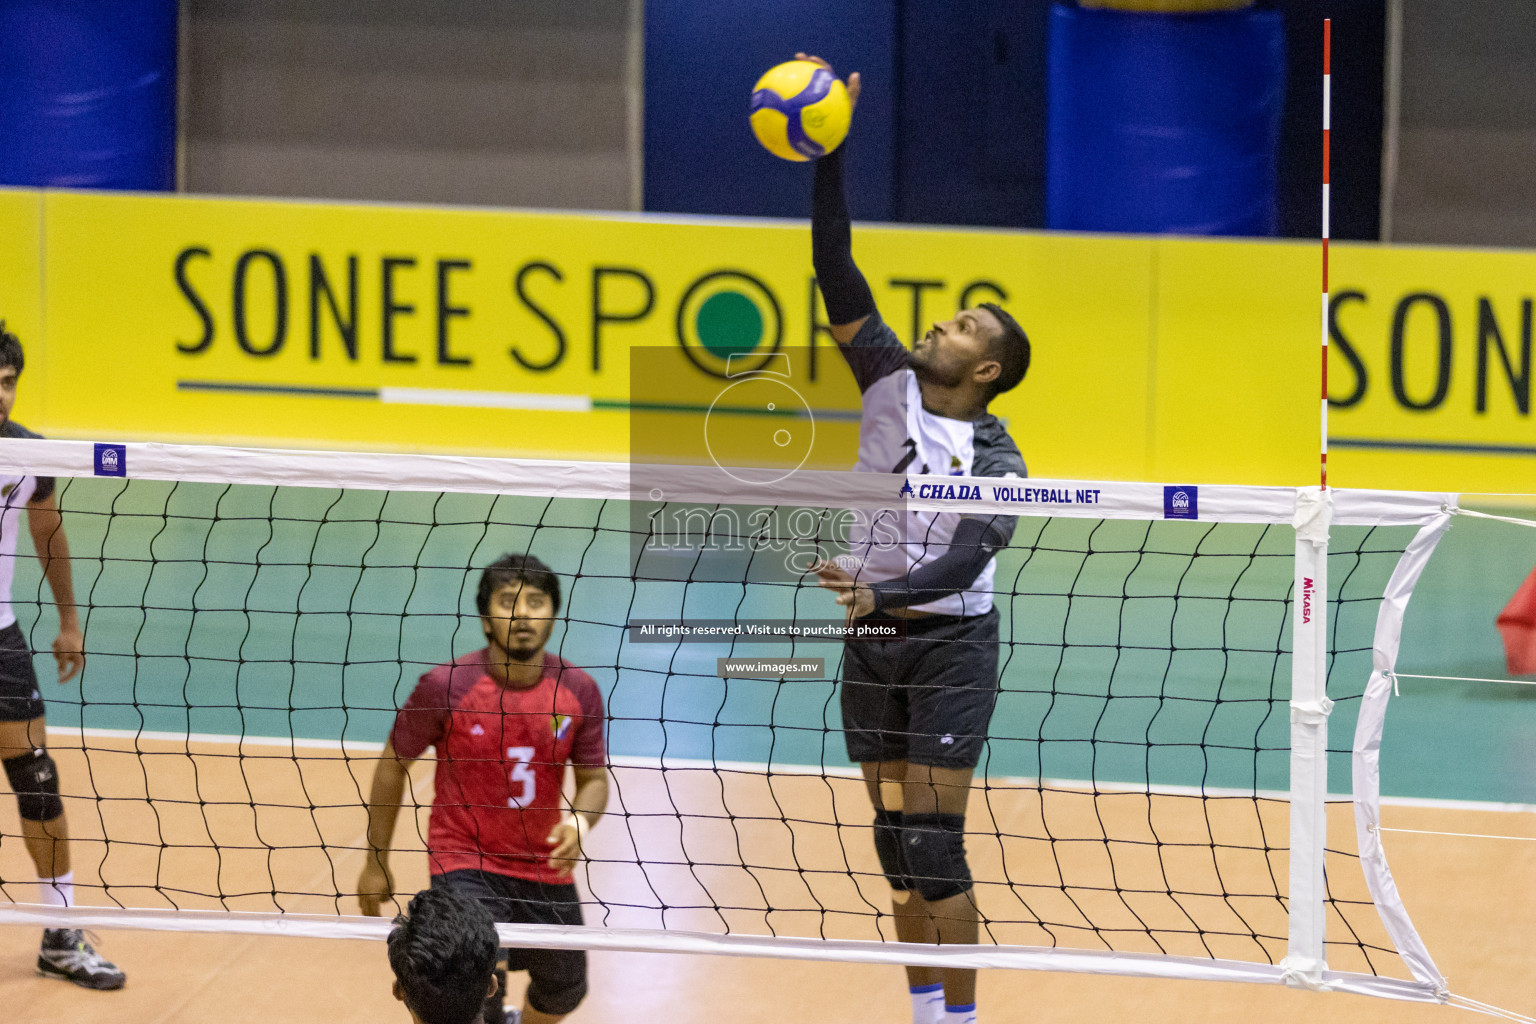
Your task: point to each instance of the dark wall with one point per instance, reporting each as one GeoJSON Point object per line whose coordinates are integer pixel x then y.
{"type": "Point", "coordinates": [700, 62]}
{"type": "Point", "coordinates": [1359, 47]}
{"type": "Point", "coordinates": [971, 116]}
{"type": "Point", "coordinates": [496, 102]}
{"type": "Point", "coordinates": [952, 126]}
{"type": "Point", "coordinates": [1466, 171]}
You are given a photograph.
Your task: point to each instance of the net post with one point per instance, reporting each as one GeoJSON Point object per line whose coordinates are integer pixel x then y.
{"type": "Point", "coordinates": [1305, 962]}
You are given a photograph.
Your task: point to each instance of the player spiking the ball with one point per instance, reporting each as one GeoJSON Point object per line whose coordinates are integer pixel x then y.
{"type": "Point", "coordinates": [31, 771]}
{"type": "Point", "coordinates": [505, 720]}
{"type": "Point", "coordinates": [916, 710]}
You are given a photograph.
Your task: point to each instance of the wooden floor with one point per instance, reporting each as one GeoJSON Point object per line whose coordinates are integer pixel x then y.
{"type": "Point", "coordinates": [719, 848]}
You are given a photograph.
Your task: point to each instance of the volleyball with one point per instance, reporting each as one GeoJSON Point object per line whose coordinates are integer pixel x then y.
{"type": "Point", "coordinates": [800, 110]}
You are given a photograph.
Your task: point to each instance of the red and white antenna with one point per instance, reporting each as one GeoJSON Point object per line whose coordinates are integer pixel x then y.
{"type": "Point", "coordinates": [1327, 96]}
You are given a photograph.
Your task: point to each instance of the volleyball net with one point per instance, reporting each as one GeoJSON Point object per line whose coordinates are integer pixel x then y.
{"type": "Point", "coordinates": [1183, 672]}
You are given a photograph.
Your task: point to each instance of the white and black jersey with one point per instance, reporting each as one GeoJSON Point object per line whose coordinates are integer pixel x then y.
{"type": "Point", "coordinates": [898, 436]}
{"type": "Point", "coordinates": [15, 493]}
{"type": "Point", "coordinates": [20, 698]}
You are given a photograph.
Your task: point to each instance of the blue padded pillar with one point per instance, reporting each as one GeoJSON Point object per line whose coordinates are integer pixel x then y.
{"type": "Point", "coordinates": [88, 93]}
{"type": "Point", "coordinates": [1164, 122]}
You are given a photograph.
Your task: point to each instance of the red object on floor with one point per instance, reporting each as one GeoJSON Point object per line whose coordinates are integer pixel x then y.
{"type": "Point", "coordinates": [1517, 624]}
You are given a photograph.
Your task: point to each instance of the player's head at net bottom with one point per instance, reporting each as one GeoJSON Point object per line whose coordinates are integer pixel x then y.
{"type": "Point", "coordinates": [443, 950]}
{"type": "Point", "coordinates": [518, 599]}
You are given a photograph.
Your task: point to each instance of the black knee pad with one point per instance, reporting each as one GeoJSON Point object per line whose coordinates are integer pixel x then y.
{"type": "Point", "coordinates": [558, 986]}
{"type": "Point", "coordinates": [888, 825]}
{"type": "Point", "coordinates": [934, 848]}
{"type": "Point", "coordinates": [35, 781]}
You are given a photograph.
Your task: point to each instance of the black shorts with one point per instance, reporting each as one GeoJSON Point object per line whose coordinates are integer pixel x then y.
{"type": "Point", "coordinates": [519, 901]}
{"type": "Point", "coordinates": [927, 699]}
{"type": "Point", "coordinates": [20, 700]}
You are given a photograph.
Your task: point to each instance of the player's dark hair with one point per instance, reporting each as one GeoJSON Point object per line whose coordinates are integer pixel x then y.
{"type": "Point", "coordinates": [509, 569]}
{"type": "Point", "coordinates": [1010, 348]}
{"type": "Point", "coordinates": [10, 350]}
{"type": "Point", "coordinates": [443, 950]}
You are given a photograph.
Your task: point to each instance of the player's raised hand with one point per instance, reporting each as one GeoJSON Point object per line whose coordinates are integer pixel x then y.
{"type": "Point", "coordinates": [852, 595]}
{"type": "Point", "coordinates": [566, 839]}
{"type": "Point", "coordinates": [854, 83]}
{"type": "Point", "coordinates": [375, 885]}
{"type": "Point", "coordinates": [69, 652]}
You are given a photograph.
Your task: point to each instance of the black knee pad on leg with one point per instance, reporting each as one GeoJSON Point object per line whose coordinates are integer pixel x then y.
{"type": "Point", "coordinates": [934, 848]}
{"type": "Point", "coordinates": [557, 988]}
{"type": "Point", "coordinates": [888, 826]}
{"type": "Point", "coordinates": [35, 781]}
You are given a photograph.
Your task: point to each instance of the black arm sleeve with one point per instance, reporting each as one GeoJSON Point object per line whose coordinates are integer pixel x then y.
{"type": "Point", "coordinates": [974, 544]}
{"type": "Point", "coordinates": [843, 288]}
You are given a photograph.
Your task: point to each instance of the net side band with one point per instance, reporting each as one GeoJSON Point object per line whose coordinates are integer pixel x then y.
{"type": "Point", "coordinates": [1142, 965]}
{"type": "Point", "coordinates": [619, 481]}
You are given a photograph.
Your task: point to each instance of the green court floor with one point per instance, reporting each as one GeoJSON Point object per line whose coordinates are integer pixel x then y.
{"type": "Point", "coordinates": [1136, 652]}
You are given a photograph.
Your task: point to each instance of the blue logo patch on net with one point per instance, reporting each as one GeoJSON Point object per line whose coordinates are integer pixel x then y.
{"type": "Point", "coordinates": [1181, 502]}
{"type": "Point", "coordinates": [111, 460]}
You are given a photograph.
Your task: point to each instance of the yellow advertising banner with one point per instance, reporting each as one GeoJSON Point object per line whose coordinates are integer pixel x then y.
{"type": "Point", "coordinates": [1430, 368]}
{"type": "Point", "coordinates": [1234, 355]}
{"type": "Point", "coordinates": [497, 332]}
{"type": "Point", "coordinates": [547, 335]}
{"type": "Point", "coordinates": [21, 291]}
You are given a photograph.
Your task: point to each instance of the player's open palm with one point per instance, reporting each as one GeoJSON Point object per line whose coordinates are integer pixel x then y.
{"type": "Point", "coordinates": [856, 597]}
{"type": "Point", "coordinates": [854, 84]}
{"type": "Point", "coordinates": [565, 839]}
{"type": "Point", "coordinates": [374, 886]}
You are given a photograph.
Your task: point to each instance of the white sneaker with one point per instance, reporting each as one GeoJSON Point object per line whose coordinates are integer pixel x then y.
{"type": "Point", "coordinates": [65, 954]}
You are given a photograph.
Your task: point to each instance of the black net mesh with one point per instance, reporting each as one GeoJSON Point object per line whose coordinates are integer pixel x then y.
{"type": "Point", "coordinates": [248, 647]}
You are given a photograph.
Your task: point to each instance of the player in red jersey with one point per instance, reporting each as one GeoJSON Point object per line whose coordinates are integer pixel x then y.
{"type": "Point", "coordinates": [505, 720]}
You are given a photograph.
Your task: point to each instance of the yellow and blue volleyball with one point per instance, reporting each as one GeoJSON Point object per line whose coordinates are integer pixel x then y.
{"type": "Point", "coordinates": [800, 111]}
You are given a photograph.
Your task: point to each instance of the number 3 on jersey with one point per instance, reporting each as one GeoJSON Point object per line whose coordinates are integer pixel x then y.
{"type": "Point", "coordinates": [522, 774]}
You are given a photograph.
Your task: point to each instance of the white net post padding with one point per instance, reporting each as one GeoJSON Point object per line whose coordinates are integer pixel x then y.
{"type": "Point", "coordinates": [1304, 962]}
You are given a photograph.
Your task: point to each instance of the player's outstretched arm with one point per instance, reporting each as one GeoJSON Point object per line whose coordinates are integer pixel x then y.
{"type": "Point", "coordinates": [46, 524]}
{"type": "Point", "coordinates": [587, 806]}
{"type": "Point", "coordinates": [974, 544]}
{"type": "Point", "coordinates": [376, 884]}
{"type": "Point", "coordinates": [843, 288]}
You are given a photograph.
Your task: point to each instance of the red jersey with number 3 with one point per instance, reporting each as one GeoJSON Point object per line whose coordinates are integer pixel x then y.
{"type": "Point", "coordinates": [501, 757]}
